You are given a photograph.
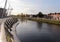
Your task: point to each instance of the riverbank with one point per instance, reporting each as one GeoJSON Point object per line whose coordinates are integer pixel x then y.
{"type": "Point", "coordinates": [7, 25]}
{"type": "Point", "coordinates": [57, 22]}
{"type": "Point", "coordinates": [2, 30]}
{"type": "Point", "coordinates": [14, 32]}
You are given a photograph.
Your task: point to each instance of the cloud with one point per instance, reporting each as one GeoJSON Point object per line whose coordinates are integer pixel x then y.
{"type": "Point", "coordinates": [24, 6]}
{"type": "Point", "coordinates": [33, 6]}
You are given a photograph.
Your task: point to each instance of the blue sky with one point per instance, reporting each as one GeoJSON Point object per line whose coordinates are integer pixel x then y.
{"type": "Point", "coordinates": [33, 6]}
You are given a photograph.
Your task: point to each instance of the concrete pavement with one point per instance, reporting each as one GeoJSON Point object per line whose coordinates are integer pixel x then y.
{"type": "Point", "coordinates": [3, 34]}
{"type": "Point", "coordinates": [2, 31]}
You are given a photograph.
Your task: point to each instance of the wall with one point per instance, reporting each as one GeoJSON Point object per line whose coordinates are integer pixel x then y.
{"type": "Point", "coordinates": [6, 29]}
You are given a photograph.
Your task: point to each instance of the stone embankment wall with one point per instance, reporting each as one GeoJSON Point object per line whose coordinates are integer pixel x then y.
{"type": "Point", "coordinates": [8, 28]}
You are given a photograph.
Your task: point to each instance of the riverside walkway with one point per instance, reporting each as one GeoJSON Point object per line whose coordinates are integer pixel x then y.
{"type": "Point", "coordinates": [1, 20]}
{"type": "Point", "coordinates": [0, 36]}
{"type": "Point", "coordinates": [2, 32]}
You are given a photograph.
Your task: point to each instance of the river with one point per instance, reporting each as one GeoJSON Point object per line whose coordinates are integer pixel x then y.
{"type": "Point", "coordinates": [31, 31]}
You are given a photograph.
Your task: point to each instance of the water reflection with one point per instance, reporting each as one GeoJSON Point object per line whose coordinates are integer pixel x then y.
{"type": "Point", "coordinates": [30, 31]}
{"type": "Point", "coordinates": [39, 25]}
{"type": "Point", "coordinates": [23, 20]}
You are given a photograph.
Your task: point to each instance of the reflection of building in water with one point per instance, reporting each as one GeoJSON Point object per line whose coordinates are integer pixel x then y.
{"type": "Point", "coordinates": [3, 12]}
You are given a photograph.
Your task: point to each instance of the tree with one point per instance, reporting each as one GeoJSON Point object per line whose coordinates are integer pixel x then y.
{"type": "Point", "coordinates": [40, 14]}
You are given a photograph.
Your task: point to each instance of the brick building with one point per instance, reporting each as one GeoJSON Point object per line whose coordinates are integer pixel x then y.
{"type": "Point", "coordinates": [54, 16]}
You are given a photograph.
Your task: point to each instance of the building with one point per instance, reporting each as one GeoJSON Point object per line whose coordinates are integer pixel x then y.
{"type": "Point", "coordinates": [54, 16]}
{"type": "Point", "coordinates": [3, 12]}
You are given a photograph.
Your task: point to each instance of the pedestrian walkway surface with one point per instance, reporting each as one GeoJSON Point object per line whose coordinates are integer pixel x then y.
{"type": "Point", "coordinates": [1, 21]}
{"type": "Point", "coordinates": [0, 37]}
{"type": "Point", "coordinates": [0, 30]}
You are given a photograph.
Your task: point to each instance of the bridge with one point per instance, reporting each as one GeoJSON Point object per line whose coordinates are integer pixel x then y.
{"type": "Point", "coordinates": [7, 29]}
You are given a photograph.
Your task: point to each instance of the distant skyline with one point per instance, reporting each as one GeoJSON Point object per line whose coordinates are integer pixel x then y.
{"type": "Point", "coordinates": [33, 6]}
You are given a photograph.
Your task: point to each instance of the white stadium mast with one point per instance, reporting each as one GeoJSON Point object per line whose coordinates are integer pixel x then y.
{"type": "Point", "coordinates": [4, 8]}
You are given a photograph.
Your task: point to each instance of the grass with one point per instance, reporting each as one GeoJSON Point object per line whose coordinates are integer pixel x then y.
{"type": "Point", "coordinates": [45, 20]}
{"type": "Point", "coordinates": [57, 22]}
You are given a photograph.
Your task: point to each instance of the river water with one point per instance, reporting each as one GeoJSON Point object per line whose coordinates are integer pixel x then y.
{"type": "Point", "coordinates": [31, 31]}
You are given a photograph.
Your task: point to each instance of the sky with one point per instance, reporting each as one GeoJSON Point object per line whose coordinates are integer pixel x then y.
{"type": "Point", "coordinates": [32, 6]}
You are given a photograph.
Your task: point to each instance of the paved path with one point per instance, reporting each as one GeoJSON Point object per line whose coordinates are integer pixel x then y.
{"type": "Point", "coordinates": [0, 38]}
{"type": "Point", "coordinates": [0, 30]}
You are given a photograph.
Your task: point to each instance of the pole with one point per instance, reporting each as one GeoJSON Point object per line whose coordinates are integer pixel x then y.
{"type": "Point", "coordinates": [5, 4]}
{"type": "Point", "coordinates": [4, 8]}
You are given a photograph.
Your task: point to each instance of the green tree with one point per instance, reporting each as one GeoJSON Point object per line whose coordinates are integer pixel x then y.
{"type": "Point", "coordinates": [40, 14]}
